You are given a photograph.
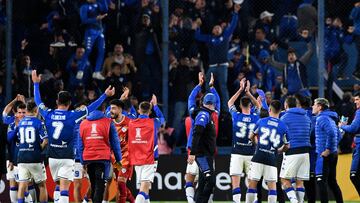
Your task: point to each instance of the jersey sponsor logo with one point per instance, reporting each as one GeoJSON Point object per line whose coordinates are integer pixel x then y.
{"type": "Point", "coordinates": [138, 134]}
{"type": "Point", "coordinates": [58, 117]}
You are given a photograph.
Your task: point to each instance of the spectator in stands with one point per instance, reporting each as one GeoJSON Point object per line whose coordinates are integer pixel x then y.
{"type": "Point", "coordinates": [73, 66]}
{"type": "Point", "coordinates": [356, 88]}
{"type": "Point", "coordinates": [115, 79]}
{"type": "Point", "coordinates": [260, 42]}
{"type": "Point", "coordinates": [166, 140]}
{"type": "Point", "coordinates": [92, 13]}
{"type": "Point", "coordinates": [218, 46]}
{"type": "Point", "coordinates": [147, 53]}
{"type": "Point", "coordinates": [117, 56]}
{"type": "Point", "coordinates": [294, 71]}
{"type": "Point", "coordinates": [355, 16]}
{"type": "Point", "coordinates": [307, 17]}
{"type": "Point", "coordinates": [266, 22]}
{"type": "Point", "coordinates": [267, 71]}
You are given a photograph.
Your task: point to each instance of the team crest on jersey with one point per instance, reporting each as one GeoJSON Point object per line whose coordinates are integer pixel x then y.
{"type": "Point", "coordinates": [138, 133]}
{"type": "Point", "coordinates": [124, 129]}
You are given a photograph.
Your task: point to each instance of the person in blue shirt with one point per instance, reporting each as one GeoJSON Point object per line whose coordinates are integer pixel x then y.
{"type": "Point", "coordinates": [272, 138]}
{"type": "Point", "coordinates": [218, 47]}
{"type": "Point", "coordinates": [355, 129]}
{"type": "Point", "coordinates": [91, 15]}
{"type": "Point", "coordinates": [19, 108]}
{"type": "Point", "coordinates": [192, 170]}
{"type": "Point", "coordinates": [327, 140]}
{"type": "Point", "coordinates": [32, 134]}
{"type": "Point", "coordinates": [296, 161]}
{"type": "Point", "coordinates": [260, 42]}
{"type": "Point", "coordinates": [267, 71]}
{"type": "Point", "coordinates": [242, 148]}
{"type": "Point", "coordinates": [355, 16]}
{"type": "Point", "coordinates": [60, 125]}
{"type": "Point", "coordinates": [310, 185]}
{"type": "Point", "coordinates": [72, 69]}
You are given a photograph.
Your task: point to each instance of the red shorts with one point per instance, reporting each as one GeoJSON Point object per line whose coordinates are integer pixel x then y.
{"type": "Point", "coordinates": [125, 172]}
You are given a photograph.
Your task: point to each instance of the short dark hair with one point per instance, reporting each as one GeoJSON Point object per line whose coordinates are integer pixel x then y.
{"type": "Point", "coordinates": [245, 101]}
{"type": "Point", "coordinates": [357, 94]}
{"type": "Point", "coordinates": [19, 105]}
{"type": "Point", "coordinates": [304, 101]}
{"type": "Point", "coordinates": [30, 106]}
{"type": "Point", "coordinates": [118, 103]}
{"type": "Point", "coordinates": [290, 101]}
{"type": "Point", "coordinates": [261, 29]}
{"type": "Point", "coordinates": [64, 98]}
{"type": "Point", "coordinates": [291, 50]}
{"type": "Point", "coordinates": [347, 96]}
{"type": "Point", "coordinates": [275, 106]}
{"type": "Point", "coordinates": [114, 64]}
{"type": "Point", "coordinates": [145, 107]}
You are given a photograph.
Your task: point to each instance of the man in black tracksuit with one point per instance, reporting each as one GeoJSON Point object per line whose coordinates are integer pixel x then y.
{"type": "Point", "coordinates": [203, 148]}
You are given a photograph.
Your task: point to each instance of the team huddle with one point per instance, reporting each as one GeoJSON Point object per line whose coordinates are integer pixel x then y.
{"type": "Point", "coordinates": [96, 141]}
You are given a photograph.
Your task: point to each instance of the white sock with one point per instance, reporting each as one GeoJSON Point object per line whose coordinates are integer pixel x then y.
{"type": "Point", "coordinates": [190, 192]}
{"type": "Point", "coordinates": [290, 192]}
{"type": "Point", "coordinates": [56, 194]}
{"type": "Point", "coordinates": [64, 196]}
{"type": "Point", "coordinates": [300, 193]}
{"type": "Point", "coordinates": [236, 194]}
{"type": "Point", "coordinates": [250, 195]}
{"type": "Point", "coordinates": [104, 201]}
{"type": "Point", "coordinates": [28, 198]}
{"type": "Point", "coordinates": [13, 194]}
{"type": "Point", "coordinates": [141, 198]}
{"type": "Point", "coordinates": [32, 192]}
{"type": "Point", "coordinates": [272, 196]}
{"type": "Point", "coordinates": [211, 198]}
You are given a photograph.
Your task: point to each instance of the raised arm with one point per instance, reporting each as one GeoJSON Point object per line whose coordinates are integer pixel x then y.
{"type": "Point", "coordinates": [234, 20]}
{"type": "Point", "coordinates": [5, 115]}
{"type": "Point", "coordinates": [354, 126]}
{"type": "Point", "coordinates": [160, 119]}
{"type": "Point", "coordinates": [272, 62]}
{"type": "Point", "coordinates": [237, 94]}
{"type": "Point", "coordinates": [194, 93]}
{"type": "Point", "coordinates": [252, 98]}
{"type": "Point", "coordinates": [109, 92]}
{"type": "Point", "coordinates": [213, 90]}
{"type": "Point", "coordinates": [305, 59]}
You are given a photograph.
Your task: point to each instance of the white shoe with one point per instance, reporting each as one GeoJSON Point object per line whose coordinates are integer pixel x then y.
{"type": "Point", "coordinates": [72, 44]}
{"type": "Point", "coordinates": [97, 75]}
{"type": "Point", "coordinates": [80, 75]}
{"type": "Point", "coordinates": [58, 44]}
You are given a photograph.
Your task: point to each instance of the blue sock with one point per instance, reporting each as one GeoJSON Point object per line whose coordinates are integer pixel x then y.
{"type": "Point", "coordinates": [21, 200]}
{"type": "Point", "coordinates": [64, 193]}
{"type": "Point", "coordinates": [57, 188]}
{"type": "Point", "coordinates": [188, 184]}
{"type": "Point", "coordinates": [31, 187]}
{"type": "Point", "coordinates": [26, 194]}
{"type": "Point", "coordinates": [146, 196]}
{"type": "Point", "coordinates": [14, 188]}
{"type": "Point", "coordinates": [236, 191]}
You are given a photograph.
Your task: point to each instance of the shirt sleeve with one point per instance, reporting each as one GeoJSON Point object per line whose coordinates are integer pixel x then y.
{"type": "Point", "coordinates": [355, 125]}
{"type": "Point", "coordinates": [202, 119]}
{"type": "Point", "coordinates": [44, 111]}
{"type": "Point", "coordinates": [7, 119]}
{"type": "Point", "coordinates": [192, 99]}
{"type": "Point", "coordinates": [115, 142]}
{"type": "Point", "coordinates": [217, 103]}
{"type": "Point", "coordinates": [160, 119]}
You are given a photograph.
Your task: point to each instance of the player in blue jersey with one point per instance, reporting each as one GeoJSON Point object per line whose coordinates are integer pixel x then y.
{"type": "Point", "coordinates": [242, 148]}
{"type": "Point", "coordinates": [327, 140]}
{"type": "Point", "coordinates": [192, 170]}
{"type": "Point", "coordinates": [355, 129]}
{"type": "Point", "coordinates": [296, 161]}
{"type": "Point", "coordinates": [33, 139]}
{"type": "Point", "coordinates": [272, 138]}
{"type": "Point", "coordinates": [19, 109]}
{"type": "Point", "coordinates": [91, 15]}
{"type": "Point", "coordinates": [60, 125]}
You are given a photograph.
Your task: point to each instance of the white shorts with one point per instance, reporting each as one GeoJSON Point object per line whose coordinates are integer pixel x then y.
{"type": "Point", "coordinates": [11, 174]}
{"type": "Point", "coordinates": [62, 168]}
{"type": "Point", "coordinates": [296, 166]}
{"type": "Point", "coordinates": [192, 169]}
{"type": "Point", "coordinates": [258, 170]}
{"type": "Point", "coordinates": [145, 173]}
{"type": "Point", "coordinates": [239, 164]}
{"type": "Point", "coordinates": [35, 171]}
{"type": "Point", "coordinates": [78, 171]}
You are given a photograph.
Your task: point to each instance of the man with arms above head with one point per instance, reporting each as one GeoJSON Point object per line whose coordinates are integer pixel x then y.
{"type": "Point", "coordinates": [60, 125]}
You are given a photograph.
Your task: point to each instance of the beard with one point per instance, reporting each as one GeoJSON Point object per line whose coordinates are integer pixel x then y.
{"type": "Point", "coordinates": [114, 116]}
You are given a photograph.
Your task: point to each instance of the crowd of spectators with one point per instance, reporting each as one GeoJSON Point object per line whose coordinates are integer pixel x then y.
{"type": "Point", "coordinates": [233, 40]}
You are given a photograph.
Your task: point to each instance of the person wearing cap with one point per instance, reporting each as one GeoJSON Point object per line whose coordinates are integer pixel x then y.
{"type": "Point", "coordinates": [218, 47]}
{"type": "Point", "coordinates": [203, 148]}
{"type": "Point", "coordinates": [327, 137]}
{"type": "Point", "coordinates": [265, 22]}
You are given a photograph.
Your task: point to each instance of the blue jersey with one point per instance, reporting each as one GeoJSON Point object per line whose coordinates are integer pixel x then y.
{"type": "Point", "coordinates": [60, 125]}
{"type": "Point", "coordinates": [272, 134]}
{"type": "Point", "coordinates": [89, 12]}
{"type": "Point", "coordinates": [299, 125]}
{"type": "Point", "coordinates": [243, 127]}
{"type": "Point", "coordinates": [31, 133]}
{"type": "Point", "coordinates": [7, 119]}
{"type": "Point", "coordinates": [13, 143]}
